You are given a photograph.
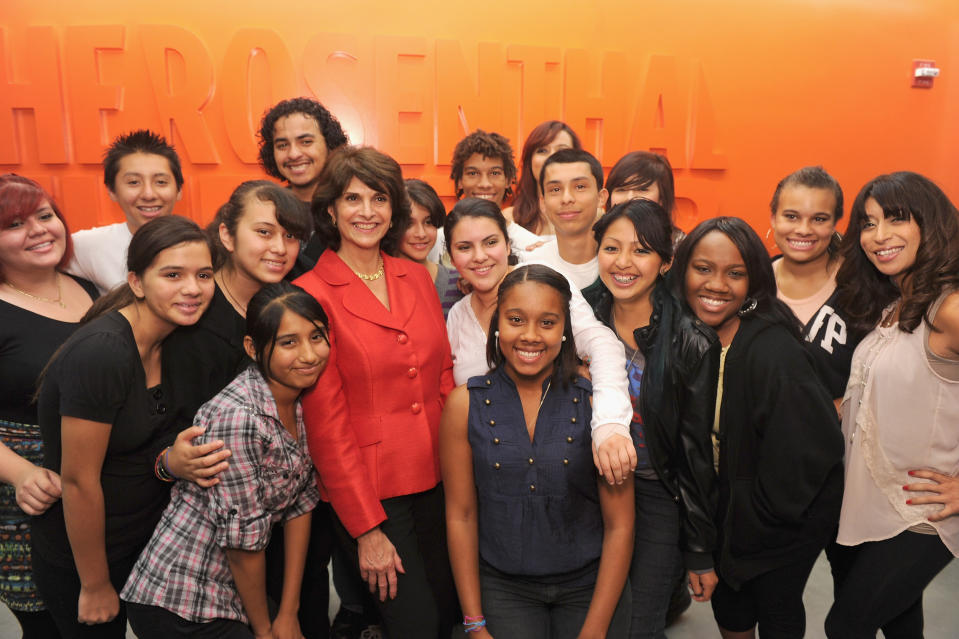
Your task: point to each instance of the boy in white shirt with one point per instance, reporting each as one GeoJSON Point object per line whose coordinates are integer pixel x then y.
{"type": "Point", "coordinates": [142, 174]}
{"type": "Point", "coordinates": [572, 194]}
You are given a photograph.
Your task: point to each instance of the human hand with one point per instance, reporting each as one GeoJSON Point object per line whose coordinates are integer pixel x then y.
{"type": "Point", "coordinates": [945, 487]}
{"type": "Point", "coordinates": [97, 605]}
{"type": "Point", "coordinates": [615, 458]}
{"type": "Point", "coordinates": [464, 286]}
{"type": "Point", "coordinates": [702, 586]}
{"type": "Point", "coordinates": [199, 463]}
{"type": "Point", "coordinates": [379, 562]}
{"type": "Point", "coordinates": [286, 625]}
{"type": "Point", "coordinates": [37, 489]}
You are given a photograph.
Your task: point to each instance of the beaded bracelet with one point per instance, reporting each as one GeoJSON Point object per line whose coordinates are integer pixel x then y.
{"type": "Point", "coordinates": [160, 468]}
{"type": "Point", "coordinates": [473, 624]}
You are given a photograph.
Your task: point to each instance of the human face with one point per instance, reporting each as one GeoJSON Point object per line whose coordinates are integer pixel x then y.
{"type": "Point", "coordinates": [299, 150]}
{"type": "Point", "coordinates": [803, 224]}
{"type": "Point", "coordinates": [628, 269]}
{"type": "Point", "coordinates": [717, 284]}
{"type": "Point", "coordinates": [571, 198]}
{"type": "Point", "coordinates": [483, 177]}
{"type": "Point", "coordinates": [629, 192]}
{"type": "Point", "coordinates": [262, 249]}
{"type": "Point", "coordinates": [299, 354]}
{"type": "Point", "coordinates": [144, 188]}
{"type": "Point", "coordinates": [479, 252]}
{"type": "Point", "coordinates": [362, 215]}
{"type": "Point", "coordinates": [420, 236]}
{"type": "Point", "coordinates": [530, 321]}
{"type": "Point", "coordinates": [562, 140]}
{"type": "Point", "coordinates": [178, 285]}
{"type": "Point", "coordinates": [35, 241]}
{"type": "Point", "coordinates": [890, 243]}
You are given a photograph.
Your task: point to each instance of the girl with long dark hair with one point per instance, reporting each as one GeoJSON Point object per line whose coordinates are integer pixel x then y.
{"type": "Point", "coordinates": [104, 413]}
{"type": "Point", "coordinates": [900, 413]}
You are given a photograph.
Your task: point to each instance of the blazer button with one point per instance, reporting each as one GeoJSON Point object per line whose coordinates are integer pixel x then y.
{"type": "Point", "coordinates": [530, 461]}
{"type": "Point", "coordinates": [402, 338]}
{"type": "Point", "coordinates": [569, 440]}
{"type": "Point", "coordinates": [492, 422]}
{"type": "Point", "coordinates": [416, 407]}
{"type": "Point", "coordinates": [496, 440]}
{"type": "Point", "coordinates": [576, 400]}
{"type": "Point", "coordinates": [488, 382]}
{"type": "Point", "coordinates": [411, 373]}
{"type": "Point", "coordinates": [487, 402]}
{"type": "Point", "coordinates": [532, 488]}
{"type": "Point", "coordinates": [572, 420]}
{"type": "Point", "coordinates": [496, 465]}
{"type": "Point", "coordinates": [565, 462]}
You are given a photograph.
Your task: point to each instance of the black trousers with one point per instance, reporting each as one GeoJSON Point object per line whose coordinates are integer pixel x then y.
{"type": "Point", "coordinates": [773, 600]}
{"type": "Point", "coordinates": [315, 591]}
{"type": "Point", "coordinates": [879, 584]}
{"type": "Point", "coordinates": [60, 588]}
{"type": "Point", "coordinates": [426, 604]}
{"type": "Point", "coordinates": [150, 622]}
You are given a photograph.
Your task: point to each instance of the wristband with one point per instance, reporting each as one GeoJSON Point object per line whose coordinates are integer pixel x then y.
{"type": "Point", "coordinates": [160, 470]}
{"type": "Point", "coordinates": [473, 624]}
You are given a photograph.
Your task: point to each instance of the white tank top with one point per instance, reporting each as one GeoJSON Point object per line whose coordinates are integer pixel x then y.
{"type": "Point", "coordinates": [899, 415]}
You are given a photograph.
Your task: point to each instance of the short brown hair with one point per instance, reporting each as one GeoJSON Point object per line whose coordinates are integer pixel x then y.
{"type": "Point", "coordinates": [374, 169]}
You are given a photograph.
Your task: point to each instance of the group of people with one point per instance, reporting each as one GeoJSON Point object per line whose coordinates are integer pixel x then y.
{"type": "Point", "coordinates": [556, 419]}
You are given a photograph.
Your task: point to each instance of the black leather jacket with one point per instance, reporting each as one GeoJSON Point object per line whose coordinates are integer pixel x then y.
{"type": "Point", "coordinates": [677, 403]}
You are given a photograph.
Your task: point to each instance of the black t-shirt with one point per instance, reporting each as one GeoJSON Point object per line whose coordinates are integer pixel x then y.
{"type": "Point", "coordinates": [200, 360]}
{"type": "Point", "coordinates": [98, 376]}
{"type": "Point", "coordinates": [310, 251]}
{"type": "Point", "coordinates": [831, 345]}
{"type": "Point", "coordinates": [27, 341]}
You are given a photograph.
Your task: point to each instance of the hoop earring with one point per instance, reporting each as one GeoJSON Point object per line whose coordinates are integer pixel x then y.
{"type": "Point", "coordinates": [748, 307]}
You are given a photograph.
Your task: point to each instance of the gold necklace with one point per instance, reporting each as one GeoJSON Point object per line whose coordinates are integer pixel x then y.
{"type": "Point", "coordinates": [56, 300]}
{"type": "Point", "coordinates": [369, 277]}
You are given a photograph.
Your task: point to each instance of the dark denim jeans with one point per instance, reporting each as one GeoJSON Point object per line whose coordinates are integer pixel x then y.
{"type": "Point", "coordinates": [523, 609]}
{"type": "Point", "coordinates": [657, 559]}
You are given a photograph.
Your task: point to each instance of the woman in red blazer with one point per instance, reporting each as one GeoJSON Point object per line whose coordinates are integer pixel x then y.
{"type": "Point", "coordinates": [373, 417]}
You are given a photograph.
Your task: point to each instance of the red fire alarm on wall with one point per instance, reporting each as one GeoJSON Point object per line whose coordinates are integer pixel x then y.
{"type": "Point", "coordinates": [923, 73]}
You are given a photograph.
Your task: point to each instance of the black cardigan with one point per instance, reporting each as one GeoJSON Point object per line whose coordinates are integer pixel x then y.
{"type": "Point", "coordinates": [781, 450]}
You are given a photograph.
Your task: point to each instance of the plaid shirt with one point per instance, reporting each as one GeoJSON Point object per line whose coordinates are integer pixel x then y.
{"type": "Point", "coordinates": [184, 568]}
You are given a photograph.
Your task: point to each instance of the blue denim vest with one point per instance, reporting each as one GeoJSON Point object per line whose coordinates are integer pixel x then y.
{"type": "Point", "coordinates": [538, 502]}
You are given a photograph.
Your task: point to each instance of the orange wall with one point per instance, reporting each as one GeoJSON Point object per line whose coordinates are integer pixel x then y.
{"type": "Point", "coordinates": [737, 93]}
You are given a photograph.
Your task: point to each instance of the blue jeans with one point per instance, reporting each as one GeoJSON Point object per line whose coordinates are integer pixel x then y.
{"type": "Point", "coordinates": [657, 559]}
{"type": "Point", "coordinates": [526, 609]}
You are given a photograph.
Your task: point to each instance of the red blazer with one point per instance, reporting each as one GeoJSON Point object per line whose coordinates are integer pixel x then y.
{"type": "Point", "coordinates": [372, 419]}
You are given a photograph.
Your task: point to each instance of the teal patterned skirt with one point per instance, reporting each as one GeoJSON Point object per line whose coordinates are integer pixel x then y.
{"type": "Point", "coordinates": [17, 589]}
